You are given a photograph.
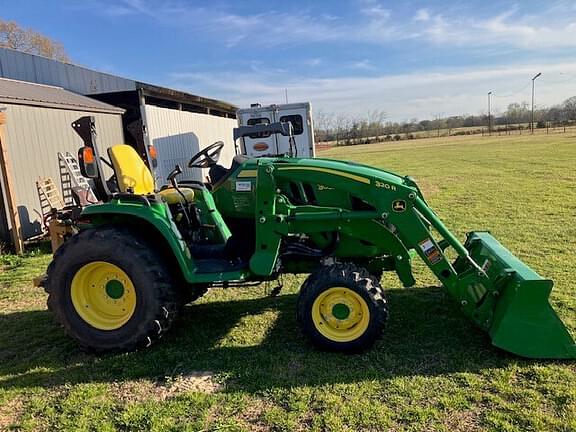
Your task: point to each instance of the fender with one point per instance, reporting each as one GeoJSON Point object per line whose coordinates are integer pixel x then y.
{"type": "Point", "coordinates": [155, 214]}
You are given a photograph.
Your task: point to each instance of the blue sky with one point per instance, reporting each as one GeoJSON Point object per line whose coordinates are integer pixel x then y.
{"type": "Point", "coordinates": [411, 59]}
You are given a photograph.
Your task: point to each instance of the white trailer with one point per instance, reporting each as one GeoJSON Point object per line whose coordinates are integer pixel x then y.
{"type": "Point", "coordinates": [269, 144]}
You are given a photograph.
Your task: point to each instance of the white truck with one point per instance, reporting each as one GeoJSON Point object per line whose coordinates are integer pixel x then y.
{"type": "Point", "coordinates": [275, 144]}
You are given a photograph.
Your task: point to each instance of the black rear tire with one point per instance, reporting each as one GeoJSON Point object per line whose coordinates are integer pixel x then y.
{"type": "Point", "coordinates": [356, 293]}
{"type": "Point", "coordinates": [156, 299]}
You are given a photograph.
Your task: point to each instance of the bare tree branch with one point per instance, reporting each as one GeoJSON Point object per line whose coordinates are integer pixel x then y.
{"type": "Point", "coordinates": [30, 41]}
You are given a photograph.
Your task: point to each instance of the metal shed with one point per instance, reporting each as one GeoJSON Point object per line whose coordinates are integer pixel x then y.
{"type": "Point", "coordinates": [37, 127]}
{"type": "Point", "coordinates": [177, 123]}
{"type": "Point", "coordinates": [178, 135]}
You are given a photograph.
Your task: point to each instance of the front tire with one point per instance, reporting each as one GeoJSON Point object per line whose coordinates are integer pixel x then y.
{"type": "Point", "coordinates": [342, 308]}
{"type": "Point", "coordinates": [111, 291]}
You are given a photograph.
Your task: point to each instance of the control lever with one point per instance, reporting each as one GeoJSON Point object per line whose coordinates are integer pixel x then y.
{"type": "Point", "coordinates": [172, 177]}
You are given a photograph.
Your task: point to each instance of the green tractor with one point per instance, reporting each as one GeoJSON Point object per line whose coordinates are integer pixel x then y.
{"type": "Point", "coordinates": [141, 254]}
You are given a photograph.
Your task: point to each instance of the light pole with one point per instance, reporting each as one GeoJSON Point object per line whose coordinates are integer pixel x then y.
{"type": "Point", "coordinates": [489, 125]}
{"type": "Point", "coordinates": [532, 119]}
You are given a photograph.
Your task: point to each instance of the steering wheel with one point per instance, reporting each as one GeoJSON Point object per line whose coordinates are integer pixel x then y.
{"type": "Point", "coordinates": [208, 157]}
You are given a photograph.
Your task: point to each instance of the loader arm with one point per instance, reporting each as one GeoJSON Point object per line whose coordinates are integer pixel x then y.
{"type": "Point", "coordinates": [496, 290]}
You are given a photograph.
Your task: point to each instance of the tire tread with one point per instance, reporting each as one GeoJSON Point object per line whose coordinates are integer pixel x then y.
{"type": "Point", "coordinates": [350, 275]}
{"type": "Point", "coordinates": [156, 322]}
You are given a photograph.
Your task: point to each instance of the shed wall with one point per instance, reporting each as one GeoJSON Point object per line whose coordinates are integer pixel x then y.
{"type": "Point", "coordinates": [34, 137]}
{"type": "Point", "coordinates": [178, 135]}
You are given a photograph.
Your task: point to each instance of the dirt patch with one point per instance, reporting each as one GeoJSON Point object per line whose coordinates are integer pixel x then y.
{"type": "Point", "coordinates": [10, 413]}
{"type": "Point", "coordinates": [21, 304]}
{"type": "Point", "coordinates": [202, 382]}
{"type": "Point", "coordinates": [252, 416]}
{"type": "Point", "coordinates": [143, 390]}
{"type": "Point", "coordinates": [465, 421]}
{"type": "Point", "coordinates": [136, 391]}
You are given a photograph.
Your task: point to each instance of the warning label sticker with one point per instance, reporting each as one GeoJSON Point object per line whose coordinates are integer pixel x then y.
{"type": "Point", "coordinates": [431, 251]}
{"type": "Point", "coordinates": [243, 186]}
{"type": "Point", "coordinates": [242, 202]}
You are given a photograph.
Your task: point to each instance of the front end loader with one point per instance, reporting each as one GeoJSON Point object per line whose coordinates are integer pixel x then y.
{"type": "Point", "coordinates": [142, 253]}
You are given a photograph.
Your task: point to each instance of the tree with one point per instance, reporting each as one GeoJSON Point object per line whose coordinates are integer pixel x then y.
{"type": "Point", "coordinates": [569, 106]}
{"type": "Point", "coordinates": [518, 112]}
{"type": "Point", "coordinates": [30, 41]}
{"type": "Point", "coordinates": [341, 125]}
{"type": "Point", "coordinates": [555, 114]}
{"type": "Point", "coordinates": [425, 125]}
{"type": "Point", "coordinates": [438, 123]}
{"type": "Point", "coordinates": [453, 123]}
{"type": "Point", "coordinates": [322, 124]}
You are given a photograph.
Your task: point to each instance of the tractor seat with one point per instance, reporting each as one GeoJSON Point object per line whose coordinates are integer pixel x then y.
{"type": "Point", "coordinates": [172, 196]}
{"type": "Point", "coordinates": [132, 174]}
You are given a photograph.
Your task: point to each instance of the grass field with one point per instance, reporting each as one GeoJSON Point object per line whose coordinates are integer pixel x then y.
{"type": "Point", "coordinates": [236, 360]}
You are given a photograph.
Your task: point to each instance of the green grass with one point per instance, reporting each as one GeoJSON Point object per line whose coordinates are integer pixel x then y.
{"type": "Point", "coordinates": [433, 370]}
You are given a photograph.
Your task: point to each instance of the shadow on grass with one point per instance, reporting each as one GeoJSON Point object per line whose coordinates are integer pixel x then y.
{"type": "Point", "coordinates": [426, 335]}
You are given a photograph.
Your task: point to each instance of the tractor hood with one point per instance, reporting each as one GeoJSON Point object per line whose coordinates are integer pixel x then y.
{"type": "Point", "coordinates": [348, 170]}
{"type": "Point", "coordinates": [344, 167]}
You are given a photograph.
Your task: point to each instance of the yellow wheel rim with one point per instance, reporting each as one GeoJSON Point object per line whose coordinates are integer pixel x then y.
{"type": "Point", "coordinates": [103, 295]}
{"type": "Point", "coordinates": [340, 314]}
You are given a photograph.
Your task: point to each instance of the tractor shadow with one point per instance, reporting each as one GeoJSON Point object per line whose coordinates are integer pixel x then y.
{"type": "Point", "coordinates": [426, 335]}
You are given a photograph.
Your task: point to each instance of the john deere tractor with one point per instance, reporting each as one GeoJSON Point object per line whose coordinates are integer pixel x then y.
{"type": "Point", "coordinates": [140, 254]}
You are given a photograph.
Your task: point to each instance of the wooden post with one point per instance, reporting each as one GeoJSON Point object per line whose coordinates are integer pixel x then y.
{"type": "Point", "coordinates": [6, 169]}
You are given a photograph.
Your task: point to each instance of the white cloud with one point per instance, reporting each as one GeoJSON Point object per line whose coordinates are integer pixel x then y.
{"type": "Point", "coordinates": [128, 7]}
{"type": "Point", "coordinates": [422, 15]}
{"type": "Point", "coordinates": [508, 29]}
{"type": "Point", "coordinates": [362, 64]}
{"type": "Point", "coordinates": [376, 11]}
{"type": "Point", "coordinates": [420, 94]}
{"type": "Point", "coordinates": [402, 96]}
{"type": "Point", "coordinates": [313, 62]}
{"type": "Point", "coordinates": [118, 10]}
{"type": "Point", "coordinates": [374, 24]}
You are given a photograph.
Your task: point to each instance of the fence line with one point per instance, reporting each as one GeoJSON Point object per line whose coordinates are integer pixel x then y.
{"type": "Point", "coordinates": [444, 133]}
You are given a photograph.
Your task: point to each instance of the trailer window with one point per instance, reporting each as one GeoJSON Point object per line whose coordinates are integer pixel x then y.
{"type": "Point", "coordinates": [296, 121]}
{"type": "Point", "coordinates": [259, 121]}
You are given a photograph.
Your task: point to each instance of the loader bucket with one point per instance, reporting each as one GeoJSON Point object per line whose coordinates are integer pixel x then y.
{"type": "Point", "coordinates": [521, 319]}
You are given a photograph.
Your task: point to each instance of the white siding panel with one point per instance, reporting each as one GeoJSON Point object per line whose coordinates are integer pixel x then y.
{"type": "Point", "coordinates": [35, 136]}
{"type": "Point", "coordinates": [179, 135]}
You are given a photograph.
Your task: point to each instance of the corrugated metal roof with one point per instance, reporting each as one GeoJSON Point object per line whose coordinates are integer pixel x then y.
{"type": "Point", "coordinates": [25, 93]}
{"type": "Point", "coordinates": [33, 68]}
{"type": "Point", "coordinates": [22, 66]}
{"type": "Point", "coordinates": [183, 97]}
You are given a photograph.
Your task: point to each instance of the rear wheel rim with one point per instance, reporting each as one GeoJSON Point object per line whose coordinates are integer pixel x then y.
{"type": "Point", "coordinates": [103, 295]}
{"type": "Point", "coordinates": [340, 314]}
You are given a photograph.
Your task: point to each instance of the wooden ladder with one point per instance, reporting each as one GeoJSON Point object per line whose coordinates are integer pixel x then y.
{"type": "Point", "coordinates": [49, 196]}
